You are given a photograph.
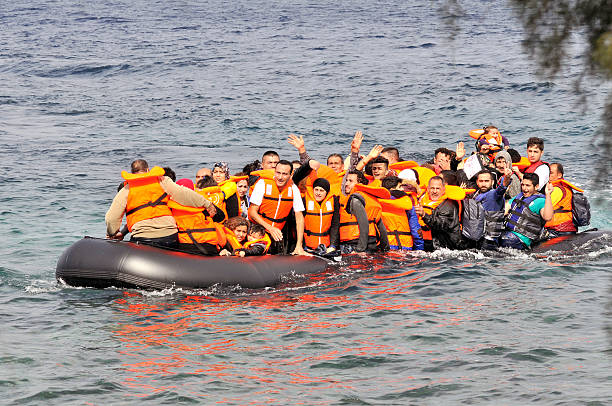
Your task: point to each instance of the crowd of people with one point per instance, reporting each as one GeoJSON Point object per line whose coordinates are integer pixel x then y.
{"type": "Point", "coordinates": [362, 203]}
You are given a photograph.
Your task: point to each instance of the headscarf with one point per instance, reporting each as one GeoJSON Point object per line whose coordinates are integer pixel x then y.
{"type": "Point", "coordinates": [224, 166]}
{"type": "Point", "coordinates": [188, 183]}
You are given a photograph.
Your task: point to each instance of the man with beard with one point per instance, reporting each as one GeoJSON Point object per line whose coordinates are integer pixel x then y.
{"type": "Point", "coordinates": [483, 213]}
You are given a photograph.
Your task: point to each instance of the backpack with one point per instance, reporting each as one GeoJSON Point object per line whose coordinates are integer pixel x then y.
{"type": "Point", "coordinates": [581, 209]}
{"type": "Point", "coordinates": [472, 220]}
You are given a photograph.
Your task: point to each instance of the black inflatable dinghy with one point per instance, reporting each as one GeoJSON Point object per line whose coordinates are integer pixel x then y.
{"type": "Point", "coordinates": [100, 263]}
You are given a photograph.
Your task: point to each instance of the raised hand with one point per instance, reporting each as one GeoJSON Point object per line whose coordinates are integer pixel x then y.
{"type": "Point", "coordinates": [297, 142]}
{"type": "Point", "coordinates": [460, 151]}
{"type": "Point", "coordinates": [374, 152]}
{"type": "Point", "coordinates": [357, 140]}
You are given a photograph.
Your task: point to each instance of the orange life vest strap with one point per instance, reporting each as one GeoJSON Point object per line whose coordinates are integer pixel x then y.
{"type": "Point", "coordinates": [157, 202]}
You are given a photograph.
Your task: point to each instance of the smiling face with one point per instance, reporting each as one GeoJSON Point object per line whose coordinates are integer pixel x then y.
{"type": "Point", "coordinates": [379, 170]}
{"type": "Point", "coordinates": [527, 187]}
{"type": "Point", "coordinates": [335, 163]}
{"type": "Point", "coordinates": [319, 194]}
{"type": "Point", "coordinates": [282, 174]}
{"type": "Point", "coordinates": [351, 181]}
{"type": "Point", "coordinates": [435, 189]}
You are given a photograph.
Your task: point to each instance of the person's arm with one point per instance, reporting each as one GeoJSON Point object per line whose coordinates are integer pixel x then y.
{"type": "Point", "coordinates": [299, 230]}
{"type": "Point", "coordinates": [384, 238]}
{"type": "Point", "coordinates": [114, 215]}
{"type": "Point", "coordinates": [374, 152]}
{"type": "Point", "coordinates": [256, 200]}
{"type": "Point", "coordinates": [298, 143]}
{"type": "Point", "coordinates": [334, 229]}
{"type": "Point", "coordinates": [186, 196]}
{"type": "Point", "coordinates": [275, 233]}
{"type": "Point", "coordinates": [415, 230]}
{"type": "Point", "coordinates": [358, 210]}
{"type": "Point", "coordinates": [304, 170]}
{"type": "Point", "coordinates": [547, 212]}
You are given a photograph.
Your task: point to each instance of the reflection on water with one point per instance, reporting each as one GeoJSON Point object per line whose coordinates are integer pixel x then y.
{"type": "Point", "coordinates": [271, 342]}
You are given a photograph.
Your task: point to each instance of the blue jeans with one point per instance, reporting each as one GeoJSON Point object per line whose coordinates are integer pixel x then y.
{"type": "Point", "coordinates": [510, 240]}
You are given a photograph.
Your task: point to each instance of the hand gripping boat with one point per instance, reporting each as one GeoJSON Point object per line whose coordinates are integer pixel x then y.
{"type": "Point", "coordinates": [100, 263]}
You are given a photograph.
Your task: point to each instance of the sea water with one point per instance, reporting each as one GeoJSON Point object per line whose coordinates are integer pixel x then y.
{"type": "Point", "coordinates": [86, 87]}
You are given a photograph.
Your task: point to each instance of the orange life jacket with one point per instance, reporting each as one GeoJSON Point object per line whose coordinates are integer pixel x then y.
{"type": "Point", "coordinates": [493, 140]}
{"type": "Point", "coordinates": [428, 206]}
{"type": "Point", "coordinates": [215, 195]}
{"type": "Point", "coordinates": [276, 205]}
{"type": "Point", "coordinates": [317, 219]}
{"type": "Point", "coordinates": [349, 228]}
{"type": "Point", "coordinates": [265, 239]}
{"type": "Point", "coordinates": [146, 198]}
{"type": "Point", "coordinates": [395, 218]}
{"type": "Point", "coordinates": [232, 239]}
{"type": "Point", "coordinates": [194, 227]}
{"type": "Point", "coordinates": [563, 219]}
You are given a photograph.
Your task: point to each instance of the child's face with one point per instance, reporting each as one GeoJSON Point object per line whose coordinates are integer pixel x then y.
{"type": "Point", "coordinates": [253, 237]}
{"type": "Point", "coordinates": [241, 232]}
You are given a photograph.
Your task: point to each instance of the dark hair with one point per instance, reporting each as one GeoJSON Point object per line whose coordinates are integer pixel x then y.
{"type": "Point", "coordinates": [139, 165]}
{"type": "Point", "coordinates": [515, 156]}
{"type": "Point", "coordinates": [285, 162]}
{"type": "Point", "coordinates": [250, 167]}
{"type": "Point", "coordinates": [559, 167]}
{"type": "Point", "coordinates": [437, 178]}
{"type": "Point", "coordinates": [533, 177]}
{"type": "Point", "coordinates": [380, 160]}
{"type": "Point", "coordinates": [360, 176]}
{"type": "Point", "coordinates": [536, 142]}
{"type": "Point", "coordinates": [257, 229]}
{"type": "Point", "coordinates": [485, 171]}
{"type": "Point", "coordinates": [392, 151]}
{"type": "Point", "coordinates": [488, 128]}
{"type": "Point", "coordinates": [170, 173]}
{"type": "Point", "coordinates": [205, 182]}
{"type": "Point", "coordinates": [234, 222]}
{"type": "Point", "coordinates": [444, 151]}
{"type": "Point", "coordinates": [295, 161]}
{"type": "Point", "coordinates": [449, 177]}
{"type": "Point", "coordinates": [391, 182]}
{"type": "Point", "coordinates": [269, 153]}
{"type": "Point", "coordinates": [335, 155]}
{"type": "Point", "coordinates": [240, 174]}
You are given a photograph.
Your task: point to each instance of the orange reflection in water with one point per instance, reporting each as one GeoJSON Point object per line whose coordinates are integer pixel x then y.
{"type": "Point", "coordinates": [270, 343]}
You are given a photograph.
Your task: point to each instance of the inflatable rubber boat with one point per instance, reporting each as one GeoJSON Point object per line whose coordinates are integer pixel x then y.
{"type": "Point", "coordinates": [571, 242]}
{"type": "Point", "coordinates": [101, 263]}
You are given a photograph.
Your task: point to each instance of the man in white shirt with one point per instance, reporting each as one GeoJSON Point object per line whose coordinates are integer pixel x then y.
{"type": "Point", "coordinates": [272, 201]}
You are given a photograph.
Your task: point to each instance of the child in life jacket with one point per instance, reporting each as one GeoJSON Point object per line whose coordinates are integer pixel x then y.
{"type": "Point", "coordinates": [236, 230]}
{"type": "Point", "coordinates": [258, 242]}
